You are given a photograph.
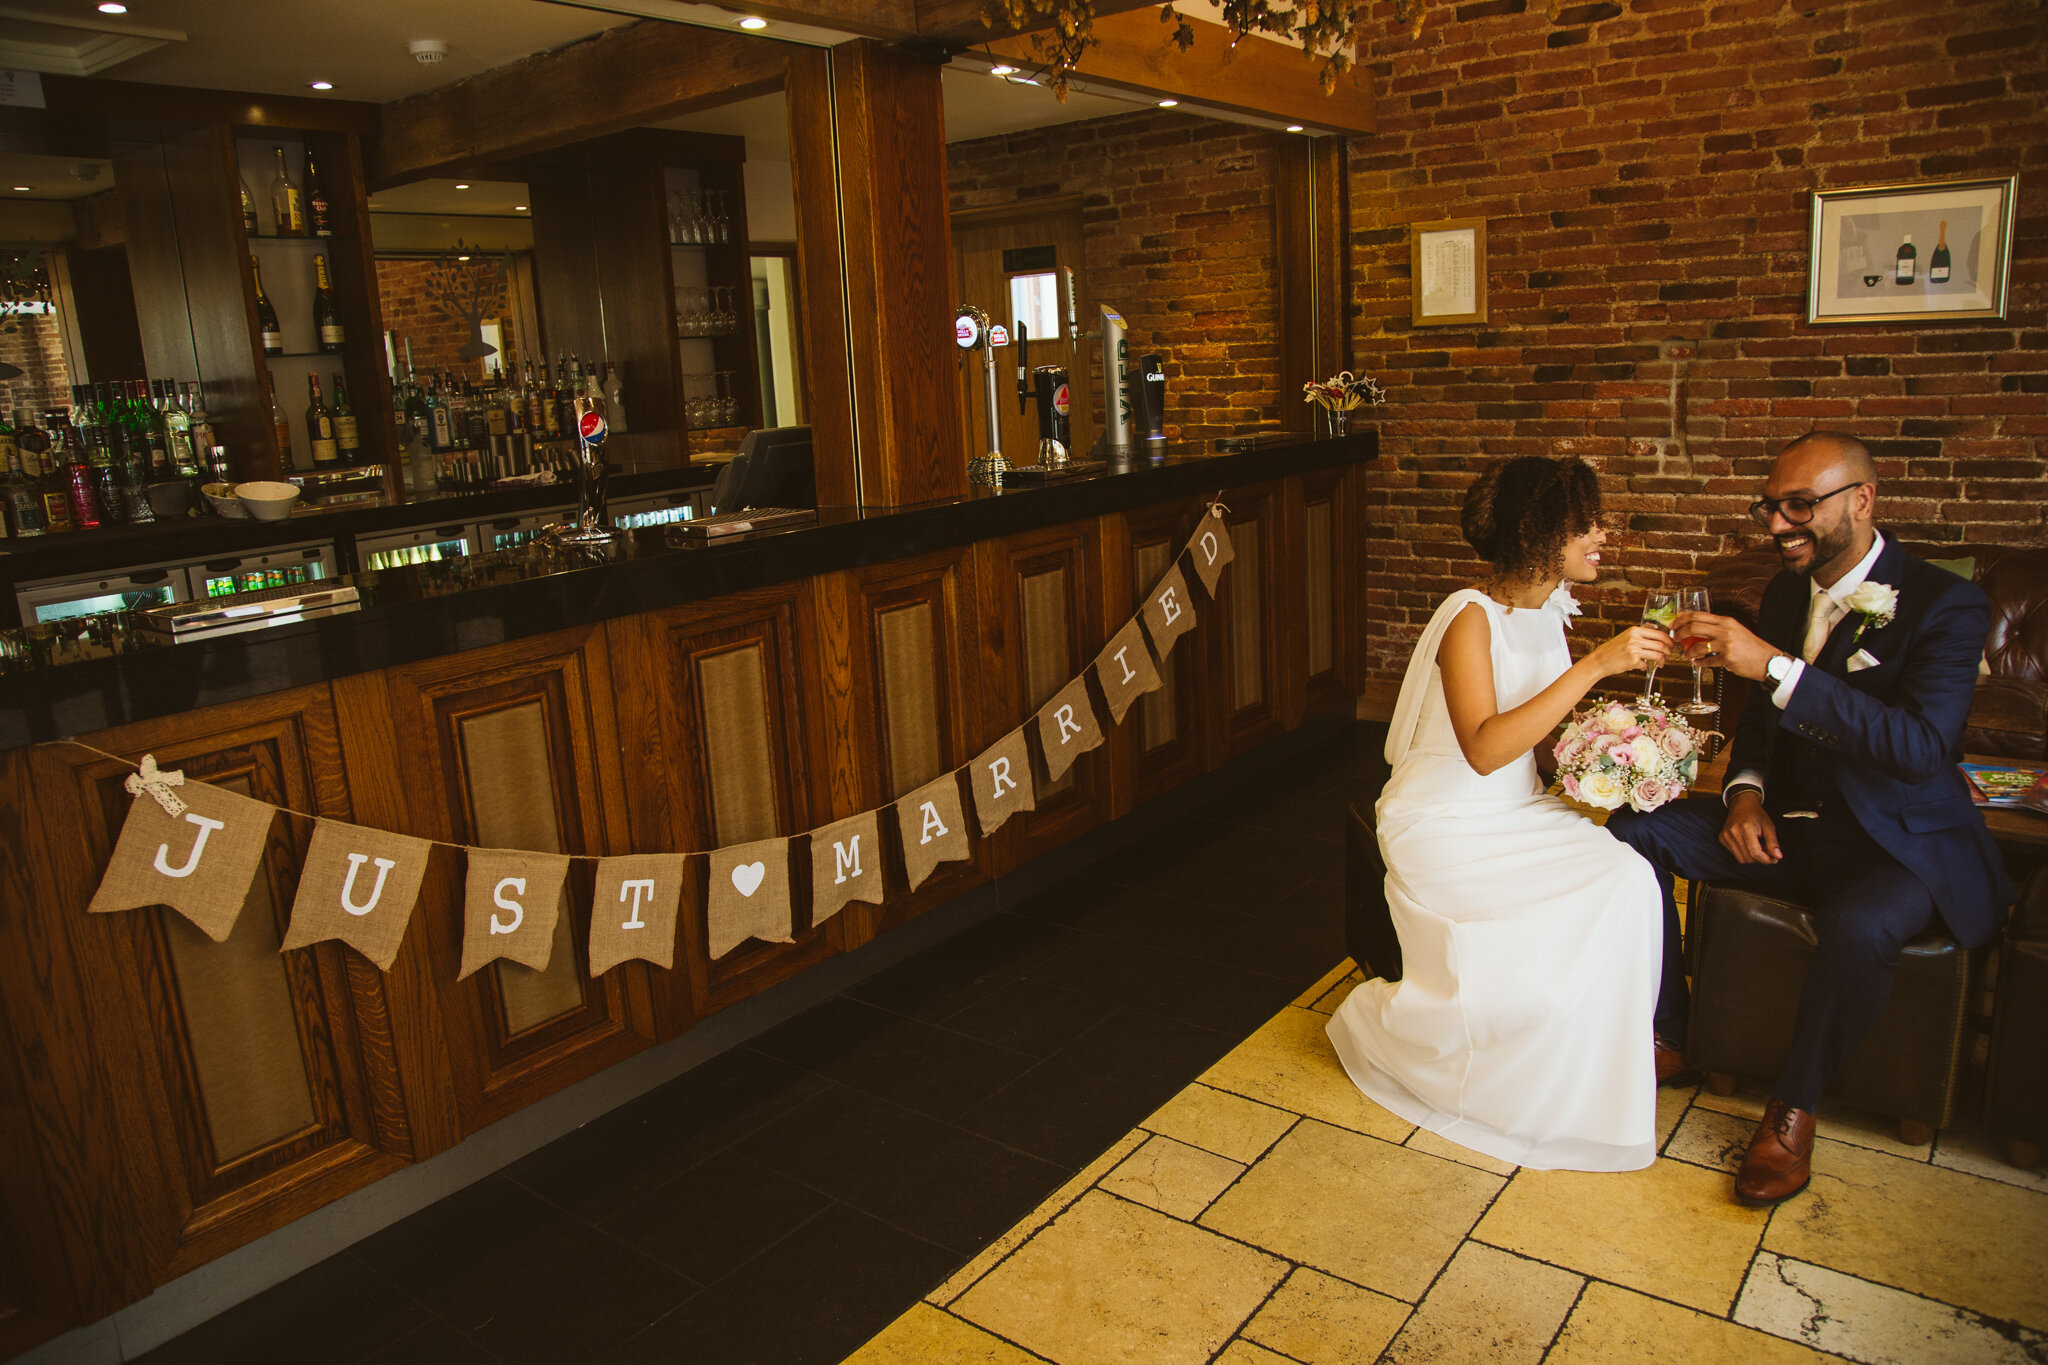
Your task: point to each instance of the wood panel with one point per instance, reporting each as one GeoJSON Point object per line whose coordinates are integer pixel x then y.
{"type": "Point", "coordinates": [511, 1044]}
{"type": "Point", "coordinates": [1249, 640]}
{"type": "Point", "coordinates": [1317, 524]}
{"type": "Point", "coordinates": [1163, 734]}
{"type": "Point", "coordinates": [820, 262]}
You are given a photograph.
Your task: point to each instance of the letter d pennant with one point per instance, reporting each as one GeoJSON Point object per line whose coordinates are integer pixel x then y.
{"type": "Point", "coordinates": [358, 885]}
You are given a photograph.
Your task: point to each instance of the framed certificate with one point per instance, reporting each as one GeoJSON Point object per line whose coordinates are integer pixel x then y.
{"type": "Point", "coordinates": [1447, 271]}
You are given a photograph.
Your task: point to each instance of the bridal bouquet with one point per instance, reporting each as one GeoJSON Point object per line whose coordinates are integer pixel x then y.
{"type": "Point", "coordinates": [1639, 752]}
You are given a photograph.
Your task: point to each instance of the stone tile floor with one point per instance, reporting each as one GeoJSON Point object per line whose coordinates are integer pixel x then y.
{"type": "Point", "coordinates": [1269, 1212]}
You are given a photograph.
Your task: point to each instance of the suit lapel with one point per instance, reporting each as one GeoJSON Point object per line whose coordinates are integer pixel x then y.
{"type": "Point", "coordinates": [1834, 654]}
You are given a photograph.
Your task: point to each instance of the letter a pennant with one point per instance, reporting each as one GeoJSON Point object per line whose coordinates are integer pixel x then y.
{"type": "Point", "coordinates": [1211, 549]}
{"type": "Point", "coordinates": [1001, 781]}
{"type": "Point", "coordinates": [510, 903]}
{"type": "Point", "coordinates": [933, 826]}
{"type": "Point", "coordinates": [199, 862]}
{"type": "Point", "coordinates": [633, 909]}
{"type": "Point", "coordinates": [846, 865]}
{"type": "Point", "coordinates": [1169, 612]}
{"type": "Point", "coordinates": [358, 885]}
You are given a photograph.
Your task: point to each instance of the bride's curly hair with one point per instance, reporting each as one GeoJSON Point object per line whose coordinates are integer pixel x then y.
{"type": "Point", "coordinates": [1525, 507]}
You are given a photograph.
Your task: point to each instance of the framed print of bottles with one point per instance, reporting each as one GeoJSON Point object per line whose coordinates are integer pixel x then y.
{"type": "Point", "coordinates": [1933, 252]}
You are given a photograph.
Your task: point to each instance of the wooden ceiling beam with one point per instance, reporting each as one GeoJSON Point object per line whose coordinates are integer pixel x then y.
{"type": "Point", "coordinates": [1258, 76]}
{"type": "Point", "coordinates": [966, 22]}
{"type": "Point", "coordinates": [622, 78]}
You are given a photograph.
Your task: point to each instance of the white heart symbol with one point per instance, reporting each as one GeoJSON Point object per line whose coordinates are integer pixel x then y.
{"type": "Point", "coordinates": [746, 878]}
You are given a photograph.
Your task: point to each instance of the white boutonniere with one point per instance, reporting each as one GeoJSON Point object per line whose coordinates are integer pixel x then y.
{"type": "Point", "coordinates": [1564, 604]}
{"type": "Point", "coordinates": [1877, 602]}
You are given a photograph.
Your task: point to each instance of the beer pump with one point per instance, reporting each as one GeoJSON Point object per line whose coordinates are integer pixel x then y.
{"type": "Point", "coordinates": [1115, 440]}
{"type": "Point", "coordinates": [590, 531]}
{"type": "Point", "coordinates": [1055, 402]}
{"type": "Point", "coordinates": [972, 332]}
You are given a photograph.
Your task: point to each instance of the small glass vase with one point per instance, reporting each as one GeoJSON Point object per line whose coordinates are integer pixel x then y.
{"type": "Point", "coordinates": [1337, 421]}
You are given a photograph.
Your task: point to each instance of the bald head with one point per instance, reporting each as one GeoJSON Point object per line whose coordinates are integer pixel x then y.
{"type": "Point", "coordinates": [1824, 458]}
{"type": "Point", "coordinates": [1825, 486]}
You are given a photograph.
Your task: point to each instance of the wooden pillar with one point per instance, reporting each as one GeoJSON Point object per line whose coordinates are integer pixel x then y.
{"type": "Point", "coordinates": [875, 258]}
{"type": "Point", "coordinates": [1312, 229]}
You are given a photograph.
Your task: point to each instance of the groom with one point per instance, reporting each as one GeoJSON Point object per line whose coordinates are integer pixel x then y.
{"type": "Point", "coordinates": [1843, 787]}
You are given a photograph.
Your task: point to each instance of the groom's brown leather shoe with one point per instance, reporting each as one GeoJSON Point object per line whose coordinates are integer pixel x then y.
{"type": "Point", "coordinates": [1672, 1067]}
{"type": "Point", "coordinates": [1779, 1161]}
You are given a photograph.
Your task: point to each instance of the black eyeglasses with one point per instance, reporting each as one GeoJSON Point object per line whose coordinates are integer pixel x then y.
{"type": "Point", "coordinates": [1798, 511]}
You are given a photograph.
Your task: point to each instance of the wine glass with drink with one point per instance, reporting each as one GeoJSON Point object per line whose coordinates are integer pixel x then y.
{"type": "Point", "coordinates": [1696, 600]}
{"type": "Point", "coordinates": [1660, 609]}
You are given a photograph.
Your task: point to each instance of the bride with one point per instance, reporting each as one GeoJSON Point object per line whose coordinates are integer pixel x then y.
{"type": "Point", "coordinates": [1530, 937]}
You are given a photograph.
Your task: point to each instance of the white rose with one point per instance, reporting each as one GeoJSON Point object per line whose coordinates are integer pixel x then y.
{"type": "Point", "coordinates": [1874, 599]}
{"type": "Point", "coordinates": [1599, 790]}
{"type": "Point", "coordinates": [1646, 751]}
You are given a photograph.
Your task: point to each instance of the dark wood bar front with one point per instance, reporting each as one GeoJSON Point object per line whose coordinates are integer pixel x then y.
{"type": "Point", "coordinates": [165, 1099]}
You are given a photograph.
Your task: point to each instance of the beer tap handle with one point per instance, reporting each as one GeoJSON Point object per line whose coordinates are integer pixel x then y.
{"type": "Point", "coordinates": [1023, 367]}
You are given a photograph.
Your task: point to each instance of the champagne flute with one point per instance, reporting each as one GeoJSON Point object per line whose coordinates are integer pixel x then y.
{"type": "Point", "coordinates": [1696, 599]}
{"type": "Point", "coordinates": [1660, 609]}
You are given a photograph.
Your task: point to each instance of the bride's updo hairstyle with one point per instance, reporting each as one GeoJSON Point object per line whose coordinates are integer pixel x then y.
{"type": "Point", "coordinates": [1525, 507]}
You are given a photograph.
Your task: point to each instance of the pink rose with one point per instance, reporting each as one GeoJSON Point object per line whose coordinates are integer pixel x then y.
{"type": "Point", "coordinates": [1648, 794]}
{"type": "Point", "coordinates": [1621, 755]}
{"type": "Point", "coordinates": [1632, 732]}
{"type": "Point", "coordinates": [1571, 786]}
{"type": "Point", "coordinates": [1571, 749]}
{"type": "Point", "coordinates": [1676, 743]}
{"type": "Point", "coordinates": [1603, 743]}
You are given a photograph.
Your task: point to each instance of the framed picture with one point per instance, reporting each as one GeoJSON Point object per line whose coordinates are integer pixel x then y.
{"type": "Point", "coordinates": [1447, 271]}
{"type": "Point", "coordinates": [1911, 253]}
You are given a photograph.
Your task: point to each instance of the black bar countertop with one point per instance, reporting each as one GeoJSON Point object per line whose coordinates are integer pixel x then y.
{"type": "Point", "coordinates": [431, 610]}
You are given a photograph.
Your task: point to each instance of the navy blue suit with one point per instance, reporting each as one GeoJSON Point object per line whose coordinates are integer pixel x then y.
{"type": "Point", "coordinates": [1897, 839]}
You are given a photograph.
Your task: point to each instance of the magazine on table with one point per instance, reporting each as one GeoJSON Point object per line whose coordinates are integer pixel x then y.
{"type": "Point", "coordinates": [2006, 786]}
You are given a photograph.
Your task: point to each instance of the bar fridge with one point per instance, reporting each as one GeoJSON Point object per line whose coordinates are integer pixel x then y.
{"type": "Point", "coordinates": [420, 545]}
{"type": "Point", "coordinates": [509, 533]}
{"type": "Point", "coordinates": [278, 568]}
{"type": "Point", "coordinates": [662, 509]}
{"type": "Point", "coordinates": [147, 585]}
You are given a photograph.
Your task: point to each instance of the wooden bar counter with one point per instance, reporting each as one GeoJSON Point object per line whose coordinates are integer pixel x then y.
{"type": "Point", "coordinates": [165, 1099]}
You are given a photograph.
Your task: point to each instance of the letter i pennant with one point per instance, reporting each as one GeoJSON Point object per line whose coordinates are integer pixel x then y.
{"type": "Point", "coordinates": [199, 862]}
{"type": "Point", "coordinates": [510, 904]}
{"type": "Point", "coordinates": [1124, 668]}
{"type": "Point", "coordinates": [358, 885]}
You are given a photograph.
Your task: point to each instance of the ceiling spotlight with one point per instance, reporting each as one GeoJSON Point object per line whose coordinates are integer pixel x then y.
{"type": "Point", "coordinates": [519, 208]}
{"type": "Point", "coordinates": [462, 187]}
{"type": "Point", "coordinates": [1002, 71]}
{"type": "Point", "coordinates": [1294, 127]}
{"type": "Point", "coordinates": [320, 85]}
{"type": "Point", "coordinates": [23, 189]}
{"type": "Point", "coordinates": [462, 258]}
{"type": "Point", "coordinates": [753, 21]}
{"type": "Point", "coordinates": [1168, 104]}
{"type": "Point", "coordinates": [112, 7]}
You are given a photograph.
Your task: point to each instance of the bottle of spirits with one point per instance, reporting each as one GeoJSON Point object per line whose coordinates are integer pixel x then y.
{"type": "Point", "coordinates": [249, 224]}
{"type": "Point", "coordinates": [177, 421]}
{"type": "Point", "coordinates": [1938, 263]}
{"type": "Point", "coordinates": [1907, 262]}
{"type": "Point", "coordinates": [266, 316]}
{"type": "Point", "coordinates": [348, 437]}
{"type": "Point", "coordinates": [320, 427]}
{"type": "Point", "coordinates": [203, 440]}
{"type": "Point", "coordinates": [51, 485]}
{"type": "Point", "coordinates": [145, 402]}
{"type": "Point", "coordinates": [318, 214]}
{"type": "Point", "coordinates": [24, 509]}
{"type": "Point", "coordinates": [326, 316]}
{"type": "Point", "coordinates": [614, 398]}
{"type": "Point", "coordinates": [81, 486]}
{"type": "Point", "coordinates": [441, 433]}
{"type": "Point", "coordinates": [280, 424]}
{"type": "Point", "coordinates": [135, 452]}
{"type": "Point", "coordinates": [287, 201]}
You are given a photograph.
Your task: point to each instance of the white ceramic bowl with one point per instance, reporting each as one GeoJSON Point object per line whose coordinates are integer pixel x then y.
{"type": "Point", "coordinates": [221, 497]}
{"type": "Point", "coordinates": [267, 499]}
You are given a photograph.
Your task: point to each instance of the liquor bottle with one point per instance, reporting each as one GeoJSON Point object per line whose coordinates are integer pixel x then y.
{"type": "Point", "coordinates": [287, 201]}
{"type": "Point", "coordinates": [266, 316]}
{"type": "Point", "coordinates": [203, 440]}
{"type": "Point", "coordinates": [440, 429]}
{"type": "Point", "coordinates": [326, 316]}
{"type": "Point", "coordinates": [281, 425]}
{"type": "Point", "coordinates": [320, 426]}
{"type": "Point", "coordinates": [614, 398]}
{"type": "Point", "coordinates": [317, 208]}
{"type": "Point", "coordinates": [51, 485]}
{"type": "Point", "coordinates": [249, 224]}
{"type": "Point", "coordinates": [24, 510]}
{"type": "Point", "coordinates": [1904, 272]}
{"type": "Point", "coordinates": [348, 437]}
{"type": "Point", "coordinates": [476, 420]}
{"type": "Point", "coordinates": [1937, 264]}
{"type": "Point", "coordinates": [81, 488]}
{"type": "Point", "coordinates": [135, 452]}
{"type": "Point", "coordinates": [155, 432]}
{"type": "Point", "coordinates": [177, 421]}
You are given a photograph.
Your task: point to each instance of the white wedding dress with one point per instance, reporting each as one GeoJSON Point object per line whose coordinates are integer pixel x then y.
{"type": "Point", "coordinates": [1530, 939]}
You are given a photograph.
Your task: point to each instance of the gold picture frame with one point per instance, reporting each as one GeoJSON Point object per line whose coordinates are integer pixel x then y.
{"type": "Point", "coordinates": [1447, 272]}
{"type": "Point", "coordinates": [1863, 265]}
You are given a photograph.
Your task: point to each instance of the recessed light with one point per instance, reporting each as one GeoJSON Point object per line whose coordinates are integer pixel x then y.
{"type": "Point", "coordinates": [462, 187]}
{"type": "Point", "coordinates": [23, 189]}
{"type": "Point", "coordinates": [519, 208]}
{"type": "Point", "coordinates": [462, 258]}
{"type": "Point", "coordinates": [112, 7]}
{"type": "Point", "coordinates": [320, 85]}
{"type": "Point", "coordinates": [753, 21]}
{"type": "Point", "coordinates": [1168, 104]}
{"type": "Point", "coordinates": [1002, 71]}
{"type": "Point", "coordinates": [1294, 127]}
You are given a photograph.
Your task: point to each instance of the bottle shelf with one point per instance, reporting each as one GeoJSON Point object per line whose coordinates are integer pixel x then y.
{"type": "Point", "coordinates": [310, 355]}
{"type": "Point", "coordinates": [302, 239]}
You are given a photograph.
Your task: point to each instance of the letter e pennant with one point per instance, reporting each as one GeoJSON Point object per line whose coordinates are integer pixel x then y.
{"type": "Point", "coordinates": [199, 862]}
{"type": "Point", "coordinates": [846, 865]}
{"type": "Point", "coordinates": [1125, 670]}
{"type": "Point", "coordinates": [633, 909]}
{"type": "Point", "coordinates": [933, 826]}
{"type": "Point", "coordinates": [1067, 727]}
{"type": "Point", "coordinates": [749, 895]}
{"type": "Point", "coordinates": [510, 904]}
{"type": "Point", "coordinates": [1001, 781]}
{"type": "Point", "coordinates": [1169, 613]}
{"type": "Point", "coordinates": [359, 885]}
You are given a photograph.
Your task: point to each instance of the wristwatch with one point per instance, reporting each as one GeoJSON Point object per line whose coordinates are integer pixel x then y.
{"type": "Point", "coordinates": [1778, 669]}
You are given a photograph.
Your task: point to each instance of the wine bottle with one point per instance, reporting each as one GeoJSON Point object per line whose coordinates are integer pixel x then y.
{"type": "Point", "coordinates": [320, 426]}
{"type": "Point", "coordinates": [282, 426]}
{"type": "Point", "coordinates": [1907, 262]}
{"type": "Point", "coordinates": [287, 201]}
{"type": "Point", "coordinates": [266, 316]}
{"type": "Point", "coordinates": [348, 439]}
{"type": "Point", "coordinates": [317, 207]}
{"type": "Point", "coordinates": [24, 509]}
{"type": "Point", "coordinates": [1938, 263]}
{"type": "Point", "coordinates": [326, 316]}
{"type": "Point", "coordinates": [249, 223]}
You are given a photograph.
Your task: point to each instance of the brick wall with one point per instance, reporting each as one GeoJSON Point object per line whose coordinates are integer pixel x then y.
{"type": "Point", "coordinates": [1644, 169]}
{"type": "Point", "coordinates": [36, 345]}
{"type": "Point", "coordinates": [437, 341]}
{"type": "Point", "coordinates": [1178, 235]}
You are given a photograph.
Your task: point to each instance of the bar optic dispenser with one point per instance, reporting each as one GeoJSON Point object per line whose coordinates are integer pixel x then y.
{"type": "Point", "coordinates": [971, 332]}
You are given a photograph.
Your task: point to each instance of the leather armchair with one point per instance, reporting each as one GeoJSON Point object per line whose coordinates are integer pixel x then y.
{"type": "Point", "coordinates": [2016, 1074]}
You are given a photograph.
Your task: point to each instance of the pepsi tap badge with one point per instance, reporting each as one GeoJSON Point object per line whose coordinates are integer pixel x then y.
{"type": "Point", "coordinates": [592, 428]}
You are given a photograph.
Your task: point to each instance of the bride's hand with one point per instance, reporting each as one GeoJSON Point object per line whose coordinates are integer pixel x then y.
{"type": "Point", "coordinates": [1635, 649]}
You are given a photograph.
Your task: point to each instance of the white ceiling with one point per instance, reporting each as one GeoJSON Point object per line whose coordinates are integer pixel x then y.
{"type": "Point", "coordinates": [483, 198]}
{"type": "Point", "coordinates": [53, 177]}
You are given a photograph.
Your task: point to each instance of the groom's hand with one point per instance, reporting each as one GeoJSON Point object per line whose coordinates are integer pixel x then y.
{"type": "Point", "coordinates": [1748, 832]}
{"type": "Point", "coordinates": [1723, 642]}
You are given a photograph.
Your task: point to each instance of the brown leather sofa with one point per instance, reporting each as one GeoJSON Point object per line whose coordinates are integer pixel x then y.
{"type": "Point", "coordinates": [2016, 1074]}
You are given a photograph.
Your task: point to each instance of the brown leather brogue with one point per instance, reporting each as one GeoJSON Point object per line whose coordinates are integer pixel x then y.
{"type": "Point", "coordinates": [1672, 1067]}
{"type": "Point", "coordinates": [1779, 1161]}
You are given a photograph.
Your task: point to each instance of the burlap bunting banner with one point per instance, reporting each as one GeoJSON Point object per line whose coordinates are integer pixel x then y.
{"type": "Point", "coordinates": [1125, 670]}
{"type": "Point", "coordinates": [511, 900]}
{"type": "Point", "coordinates": [633, 909]}
{"type": "Point", "coordinates": [1067, 727]}
{"type": "Point", "coordinates": [359, 885]}
{"type": "Point", "coordinates": [749, 895]}
{"type": "Point", "coordinates": [199, 862]}
{"type": "Point", "coordinates": [1169, 612]}
{"type": "Point", "coordinates": [933, 827]}
{"type": "Point", "coordinates": [846, 865]}
{"type": "Point", "coordinates": [1001, 781]}
{"type": "Point", "coordinates": [1211, 549]}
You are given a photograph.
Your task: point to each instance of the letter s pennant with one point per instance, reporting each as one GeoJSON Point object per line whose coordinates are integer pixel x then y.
{"type": "Point", "coordinates": [199, 862]}
{"type": "Point", "coordinates": [358, 885]}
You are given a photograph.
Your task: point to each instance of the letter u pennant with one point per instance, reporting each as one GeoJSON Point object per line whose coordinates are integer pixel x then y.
{"type": "Point", "coordinates": [200, 863]}
{"type": "Point", "coordinates": [358, 885]}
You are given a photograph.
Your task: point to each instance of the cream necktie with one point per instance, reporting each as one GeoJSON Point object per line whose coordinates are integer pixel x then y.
{"type": "Point", "coordinates": [1825, 612]}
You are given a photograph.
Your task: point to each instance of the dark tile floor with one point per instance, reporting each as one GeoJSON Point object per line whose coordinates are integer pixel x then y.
{"type": "Point", "coordinates": [786, 1200]}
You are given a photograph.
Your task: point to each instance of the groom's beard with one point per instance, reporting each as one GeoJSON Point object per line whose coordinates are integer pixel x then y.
{"type": "Point", "coordinates": [1826, 547]}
